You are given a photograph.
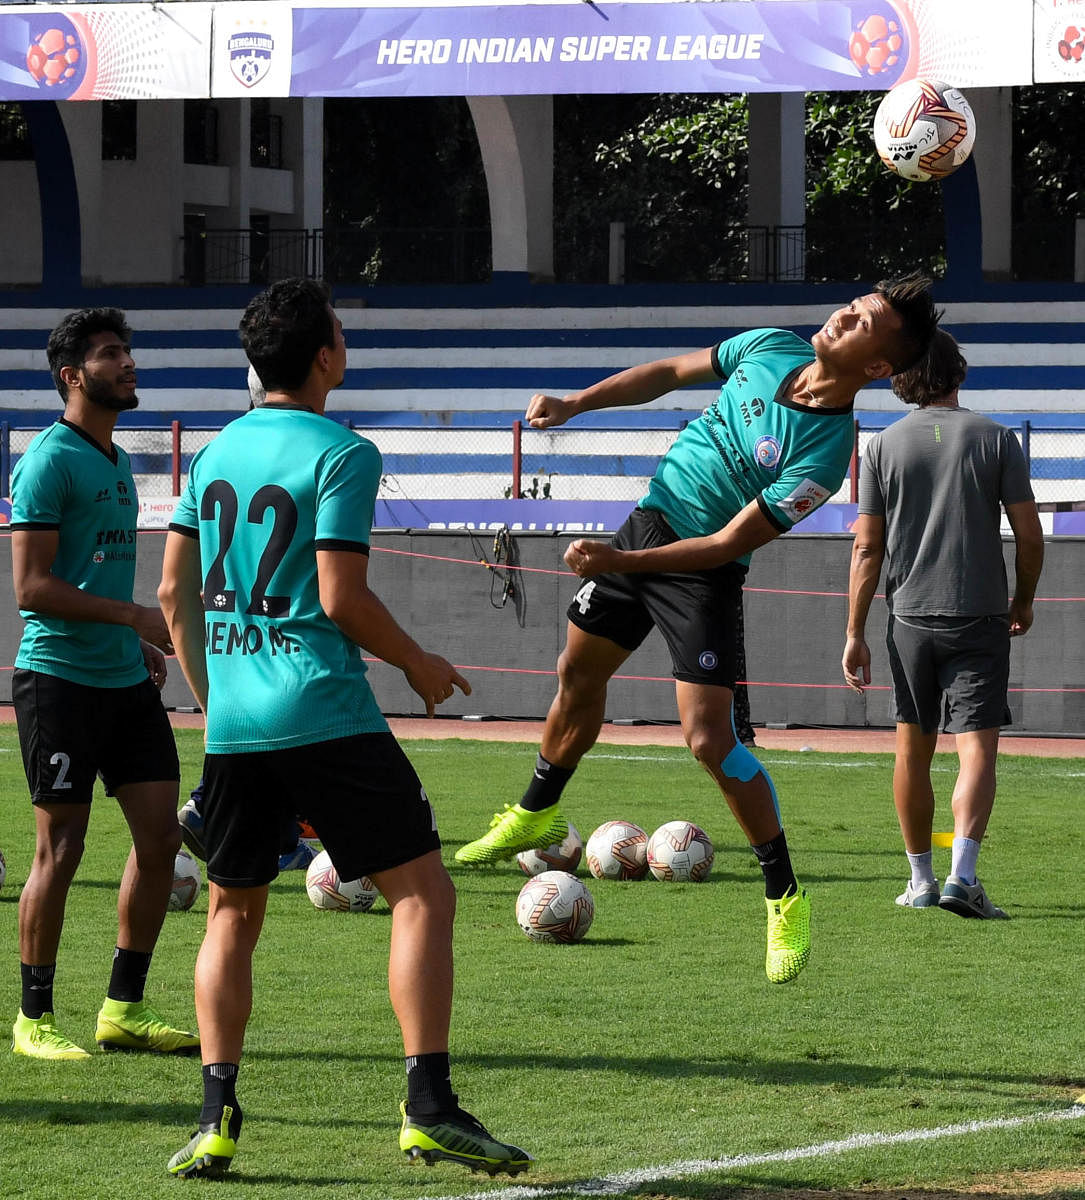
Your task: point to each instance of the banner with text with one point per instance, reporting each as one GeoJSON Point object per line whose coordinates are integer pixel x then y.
{"type": "Point", "coordinates": [278, 48]}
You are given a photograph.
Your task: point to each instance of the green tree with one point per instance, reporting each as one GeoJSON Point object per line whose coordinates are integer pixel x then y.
{"type": "Point", "coordinates": [863, 222]}
{"type": "Point", "coordinates": [673, 168]}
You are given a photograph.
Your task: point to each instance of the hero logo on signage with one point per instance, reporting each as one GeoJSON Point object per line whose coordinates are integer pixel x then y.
{"type": "Point", "coordinates": [250, 56]}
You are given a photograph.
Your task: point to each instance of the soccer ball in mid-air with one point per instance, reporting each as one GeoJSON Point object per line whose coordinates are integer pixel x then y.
{"type": "Point", "coordinates": [924, 129]}
{"type": "Point", "coordinates": [187, 880]}
{"type": "Point", "coordinates": [680, 852]}
{"type": "Point", "coordinates": [554, 907]}
{"type": "Point", "coordinates": [618, 850]}
{"type": "Point", "coordinates": [559, 856]}
{"type": "Point", "coordinates": [326, 890]}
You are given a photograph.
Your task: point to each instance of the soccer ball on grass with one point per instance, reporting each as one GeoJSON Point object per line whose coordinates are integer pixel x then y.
{"type": "Point", "coordinates": [554, 907]}
{"type": "Point", "coordinates": [924, 129]}
{"type": "Point", "coordinates": [680, 852]}
{"type": "Point", "coordinates": [327, 891]}
{"type": "Point", "coordinates": [618, 850]}
{"type": "Point", "coordinates": [559, 856]}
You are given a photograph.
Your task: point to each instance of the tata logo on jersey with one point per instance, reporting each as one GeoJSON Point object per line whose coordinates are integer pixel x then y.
{"type": "Point", "coordinates": [250, 56]}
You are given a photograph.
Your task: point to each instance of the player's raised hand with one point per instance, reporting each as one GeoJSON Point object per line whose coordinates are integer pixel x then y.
{"type": "Point", "coordinates": [544, 412]}
{"type": "Point", "coordinates": [585, 558]}
{"type": "Point", "coordinates": [434, 679]}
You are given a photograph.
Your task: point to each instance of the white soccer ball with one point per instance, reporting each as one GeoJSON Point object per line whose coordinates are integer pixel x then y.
{"type": "Point", "coordinates": [559, 856]}
{"type": "Point", "coordinates": [554, 907]}
{"type": "Point", "coordinates": [187, 880]}
{"type": "Point", "coordinates": [618, 850]}
{"type": "Point", "coordinates": [680, 852]}
{"type": "Point", "coordinates": [924, 129]}
{"type": "Point", "coordinates": [326, 890]}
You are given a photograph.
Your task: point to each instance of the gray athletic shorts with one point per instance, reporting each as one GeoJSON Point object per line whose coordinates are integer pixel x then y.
{"type": "Point", "coordinates": [949, 673]}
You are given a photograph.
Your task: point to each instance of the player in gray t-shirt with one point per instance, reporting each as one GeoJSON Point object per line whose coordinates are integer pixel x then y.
{"type": "Point", "coordinates": [930, 497]}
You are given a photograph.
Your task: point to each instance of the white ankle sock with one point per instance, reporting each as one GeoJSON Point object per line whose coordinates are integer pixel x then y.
{"type": "Point", "coordinates": [965, 853]}
{"type": "Point", "coordinates": [922, 869]}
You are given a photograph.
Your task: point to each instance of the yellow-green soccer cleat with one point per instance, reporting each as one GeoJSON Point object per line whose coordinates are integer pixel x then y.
{"type": "Point", "coordinates": [788, 936]}
{"type": "Point", "coordinates": [512, 830]}
{"type": "Point", "coordinates": [40, 1038]}
{"type": "Point", "coordinates": [209, 1154]}
{"type": "Point", "coordinates": [459, 1137]}
{"type": "Point", "coordinates": [136, 1026]}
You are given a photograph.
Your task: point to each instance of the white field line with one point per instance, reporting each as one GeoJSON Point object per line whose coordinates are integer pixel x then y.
{"type": "Point", "coordinates": [621, 1182]}
{"type": "Point", "coordinates": [768, 762]}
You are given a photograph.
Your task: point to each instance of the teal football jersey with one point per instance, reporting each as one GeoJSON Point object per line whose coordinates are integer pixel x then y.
{"type": "Point", "coordinates": [275, 486]}
{"type": "Point", "coordinates": [65, 481]}
{"type": "Point", "coordinates": [753, 444]}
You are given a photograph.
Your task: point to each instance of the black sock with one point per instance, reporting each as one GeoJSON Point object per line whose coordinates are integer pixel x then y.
{"type": "Point", "coordinates": [546, 785]}
{"type": "Point", "coordinates": [429, 1085]}
{"type": "Point", "coordinates": [129, 975]}
{"type": "Point", "coordinates": [219, 1091]}
{"type": "Point", "coordinates": [37, 989]}
{"type": "Point", "coordinates": [776, 865]}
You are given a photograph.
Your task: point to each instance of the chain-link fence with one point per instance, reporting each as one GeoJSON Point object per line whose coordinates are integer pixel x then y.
{"type": "Point", "coordinates": [425, 463]}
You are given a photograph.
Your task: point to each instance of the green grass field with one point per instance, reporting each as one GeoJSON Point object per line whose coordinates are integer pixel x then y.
{"type": "Point", "coordinates": [656, 1041]}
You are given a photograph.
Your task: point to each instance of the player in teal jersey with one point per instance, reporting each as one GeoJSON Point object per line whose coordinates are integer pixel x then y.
{"type": "Point", "coordinates": [86, 689]}
{"type": "Point", "coordinates": [265, 588]}
{"type": "Point", "coordinates": [774, 445]}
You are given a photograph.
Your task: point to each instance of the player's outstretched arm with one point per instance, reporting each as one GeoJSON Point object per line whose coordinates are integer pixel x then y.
{"type": "Point", "coordinates": [359, 612]}
{"type": "Point", "coordinates": [745, 533]}
{"type": "Point", "coordinates": [637, 385]}
{"type": "Point", "coordinates": [38, 590]}
{"type": "Point", "coordinates": [179, 593]}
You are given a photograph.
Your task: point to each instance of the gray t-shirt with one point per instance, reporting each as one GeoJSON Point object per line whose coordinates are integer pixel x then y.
{"type": "Point", "coordinates": [938, 477]}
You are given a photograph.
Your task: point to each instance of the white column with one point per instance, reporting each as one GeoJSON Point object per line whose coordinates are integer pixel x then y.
{"type": "Point", "coordinates": [83, 125]}
{"type": "Point", "coordinates": [516, 138]}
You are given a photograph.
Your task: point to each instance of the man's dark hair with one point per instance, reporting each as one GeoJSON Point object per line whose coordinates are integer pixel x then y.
{"type": "Point", "coordinates": [69, 342]}
{"type": "Point", "coordinates": [282, 330]}
{"type": "Point", "coordinates": [938, 374]}
{"type": "Point", "coordinates": [910, 298]}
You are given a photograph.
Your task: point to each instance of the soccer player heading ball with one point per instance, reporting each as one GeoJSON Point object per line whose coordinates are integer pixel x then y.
{"type": "Point", "coordinates": [774, 445]}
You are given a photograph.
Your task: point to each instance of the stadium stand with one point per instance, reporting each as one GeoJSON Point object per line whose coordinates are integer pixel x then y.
{"type": "Point", "coordinates": [439, 390]}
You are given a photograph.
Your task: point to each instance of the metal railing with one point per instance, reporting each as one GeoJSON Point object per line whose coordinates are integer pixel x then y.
{"type": "Point", "coordinates": [513, 461]}
{"type": "Point", "coordinates": [364, 255]}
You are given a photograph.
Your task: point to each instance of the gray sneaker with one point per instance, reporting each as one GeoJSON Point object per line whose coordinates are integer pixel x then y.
{"type": "Point", "coordinates": [924, 896]}
{"type": "Point", "coordinates": [969, 900]}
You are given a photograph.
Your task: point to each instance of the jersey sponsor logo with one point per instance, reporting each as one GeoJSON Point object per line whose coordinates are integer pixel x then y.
{"type": "Point", "coordinates": [803, 500]}
{"type": "Point", "coordinates": [755, 408]}
{"type": "Point", "coordinates": [98, 556]}
{"type": "Point", "coordinates": [115, 537]}
{"type": "Point", "coordinates": [103, 494]}
{"type": "Point", "coordinates": [766, 450]}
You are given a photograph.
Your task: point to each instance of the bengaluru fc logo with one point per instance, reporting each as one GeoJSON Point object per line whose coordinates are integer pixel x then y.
{"type": "Point", "coordinates": [250, 56]}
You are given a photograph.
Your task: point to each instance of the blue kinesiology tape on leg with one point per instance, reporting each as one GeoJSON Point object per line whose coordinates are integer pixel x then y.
{"type": "Point", "coordinates": [742, 765]}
